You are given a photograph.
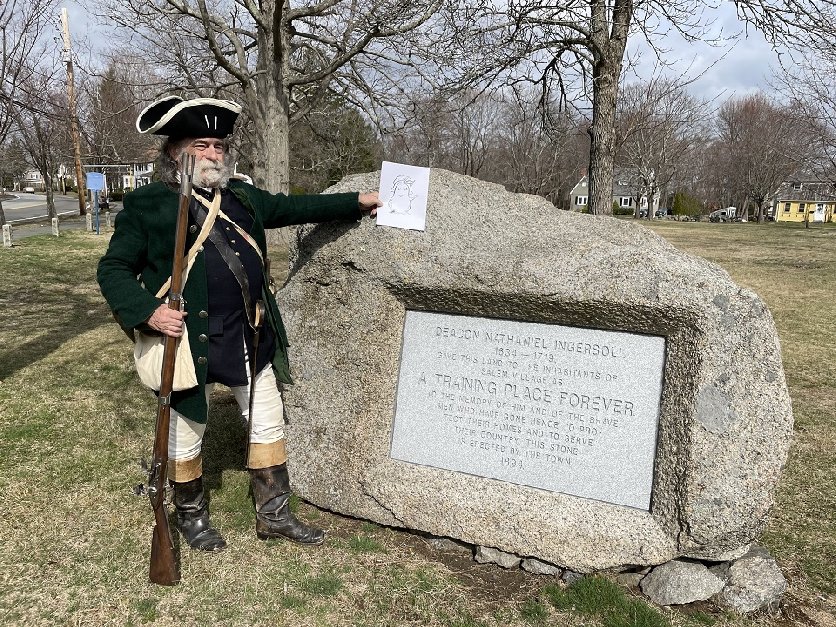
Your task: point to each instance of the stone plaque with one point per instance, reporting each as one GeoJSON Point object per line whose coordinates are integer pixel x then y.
{"type": "Point", "coordinates": [565, 409]}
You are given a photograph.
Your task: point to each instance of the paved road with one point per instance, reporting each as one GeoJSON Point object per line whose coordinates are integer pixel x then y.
{"type": "Point", "coordinates": [22, 207]}
{"type": "Point", "coordinates": [27, 213]}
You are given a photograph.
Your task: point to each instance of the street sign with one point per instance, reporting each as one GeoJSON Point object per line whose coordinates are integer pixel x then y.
{"type": "Point", "coordinates": [95, 181]}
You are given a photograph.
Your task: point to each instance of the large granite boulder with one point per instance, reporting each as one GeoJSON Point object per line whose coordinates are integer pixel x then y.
{"type": "Point", "coordinates": [724, 415]}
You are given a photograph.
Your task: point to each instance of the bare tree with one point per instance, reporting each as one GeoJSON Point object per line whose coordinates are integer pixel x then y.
{"type": "Point", "coordinates": [329, 144]}
{"type": "Point", "coordinates": [509, 136]}
{"type": "Point", "coordinates": [705, 176]}
{"type": "Point", "coordinates": [550, 43]}
{"type": "Point", "coordinates": [111, 112]}
{"type": "Point", "coordinates": [540, 150]}
{"type": "Point", "coordinates": [658, 125]}
{"type": "Point", "coordinates": [421, 134]}
{"type": "Point", "coordinates": [12, 162]}
{"type": "Point", "coordinates": [23, 24]}
{"type": "Point", "coordinates": [475, 128]}
{"type": "Point", "coordinates": [762, 144]}
{"type": "Point", "coordinates": [42, 130]}
{"type": "Point", "coordinates": [555, 44]}
{"type": "Point", "coordinates": [280, 60]}
{"type": "Point", "coordinates": [810, 84]}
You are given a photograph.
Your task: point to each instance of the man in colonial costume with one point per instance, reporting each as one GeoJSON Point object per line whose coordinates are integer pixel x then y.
{"type": "Point", "coordinates": [226, 281]}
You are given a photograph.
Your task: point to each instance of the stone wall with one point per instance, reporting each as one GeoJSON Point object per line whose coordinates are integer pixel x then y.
{"type": "Point", "coordinates": [724, 418]}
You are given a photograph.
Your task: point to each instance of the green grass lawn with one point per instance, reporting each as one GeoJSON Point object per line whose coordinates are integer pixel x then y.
{"type": "Point", "coordinates": [74, 423]}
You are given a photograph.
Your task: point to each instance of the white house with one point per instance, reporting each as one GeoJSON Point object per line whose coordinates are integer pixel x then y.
{"type": "Point", "coordinates": [624, 193]}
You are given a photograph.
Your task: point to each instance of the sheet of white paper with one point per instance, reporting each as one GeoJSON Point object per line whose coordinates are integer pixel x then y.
{"type": "Point", "coordinates": [403, 190]}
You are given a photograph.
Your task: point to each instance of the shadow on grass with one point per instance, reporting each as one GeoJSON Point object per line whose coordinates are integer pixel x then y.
{"type": "Point", "coordinates": [224, 443]}
{"type": "Point", "coordinates": [224, 472]}
{"type": "Point", "coordinates": [66, 317]}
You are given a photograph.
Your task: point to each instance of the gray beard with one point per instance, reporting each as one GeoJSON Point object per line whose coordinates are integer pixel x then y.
{"type": "Point", "coordinates": [210, 174]}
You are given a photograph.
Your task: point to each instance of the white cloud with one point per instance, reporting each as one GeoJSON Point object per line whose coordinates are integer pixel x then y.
{"type": "Point", "coordinates": [720, 70]}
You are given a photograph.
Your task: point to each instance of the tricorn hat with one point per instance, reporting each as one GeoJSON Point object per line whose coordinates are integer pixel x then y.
{"type": "Point", "coordinates": [199, 117]}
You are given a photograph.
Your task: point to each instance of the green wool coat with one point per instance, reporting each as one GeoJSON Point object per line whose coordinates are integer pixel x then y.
{"type": "Point", "coordinates": [139, 259]}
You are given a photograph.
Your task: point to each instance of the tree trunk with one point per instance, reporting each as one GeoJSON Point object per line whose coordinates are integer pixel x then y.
{"type": "Point", "coordinates": [268, 100]}
{"type": "Point", "coordinates": [269, 103]}
{"type": "Point", "coordinates": [50, 196]}
{"type": "Point", "coordinates": [602, 135]}
{"type": "Point", "coordinates": [2, 214]}
{"type": "Point", "coordinates": [271, 165]}
{"type": "Point", "coordinates": [744, 215]}
{"type": "Point", "coordinates": [609, 29]}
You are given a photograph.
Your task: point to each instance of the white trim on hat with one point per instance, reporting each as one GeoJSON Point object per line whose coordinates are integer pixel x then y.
{"type": "Point", "coordinates": [156, 103]}
{"type": "Point", "coordinates": [183, 104]}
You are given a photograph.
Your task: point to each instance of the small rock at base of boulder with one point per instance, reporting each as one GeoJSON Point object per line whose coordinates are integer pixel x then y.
{"type": "Point", "coordinates": [570, 576]}
{"type": "Point", "coordinates": [488, 555]}
{"type": "Point", "coordinates": [755, 583]}
{"type": "Point", "coordinates": [678, 582]}
{"type": "Point", "coordinates": [631, 580]}
{"type": "Point", "coordinates": [721, 570]}
{"type": "Point", "coordinates": [539, 567]}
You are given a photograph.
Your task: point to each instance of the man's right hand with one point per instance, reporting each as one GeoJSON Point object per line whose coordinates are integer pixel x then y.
{"type": "Point", "coordinates": [167, 321]}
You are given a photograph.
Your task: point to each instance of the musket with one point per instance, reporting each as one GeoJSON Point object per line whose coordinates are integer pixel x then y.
{"type": "Point", "coordinates": [164, 569]}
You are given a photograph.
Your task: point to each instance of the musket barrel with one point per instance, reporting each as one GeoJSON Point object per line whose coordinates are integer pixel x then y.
{"type": "Point", "coordinates": [164, 569]}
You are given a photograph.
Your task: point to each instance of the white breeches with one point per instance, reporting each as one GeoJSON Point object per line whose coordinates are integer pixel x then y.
{"type": "Point", "coordinates": [185, 436]}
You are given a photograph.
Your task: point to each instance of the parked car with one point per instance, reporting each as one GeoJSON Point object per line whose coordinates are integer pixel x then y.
{"type": "Point", "coordinates": [28, 190]}
{"type": "Point", "coordinates": [104, 204]}
{"type": "Point", "coordinates": [723, 215]}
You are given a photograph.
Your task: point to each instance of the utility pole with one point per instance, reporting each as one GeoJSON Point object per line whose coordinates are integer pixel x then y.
{"type": "Point", "coordinates": [68, 59]}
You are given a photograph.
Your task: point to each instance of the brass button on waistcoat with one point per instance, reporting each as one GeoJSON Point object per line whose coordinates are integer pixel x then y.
{"type": "Point", "coordinates": [203, 338]}
{"type": "Point", "coordinates": [202, 360]}
{"type": "Point", "coordinates": [193, 229]}
{"type": "Point", "coordinates": [203, 313]}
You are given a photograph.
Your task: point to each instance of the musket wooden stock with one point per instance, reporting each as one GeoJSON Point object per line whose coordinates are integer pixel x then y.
{"type": "Point", "coordinates": [164, 569]}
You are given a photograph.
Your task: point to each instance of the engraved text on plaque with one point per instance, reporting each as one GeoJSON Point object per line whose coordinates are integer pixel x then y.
{"type": "Point", "coordinates": [565, 409]}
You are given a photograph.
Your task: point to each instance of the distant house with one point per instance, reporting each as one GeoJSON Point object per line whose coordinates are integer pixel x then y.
{"type": "Point", "coordinates": [624, 194]}
{"type": "Point", "coordinates": [139, 174]}
{"type": "Point", "coordinates": [579, 196]}
{"type": "Point", "coordinates": [123, 177]}
{"type": "Point", "coordinates": [33, 179]}
{"type": "Point", "coordinates": [800, 200]}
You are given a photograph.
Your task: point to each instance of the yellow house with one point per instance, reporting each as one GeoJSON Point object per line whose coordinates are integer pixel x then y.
{"type": "Point", "coordinates": [797, 201]}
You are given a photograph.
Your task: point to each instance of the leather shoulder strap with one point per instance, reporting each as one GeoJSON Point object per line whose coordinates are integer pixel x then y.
{"type": "Point", "coordinates": [214, 209]}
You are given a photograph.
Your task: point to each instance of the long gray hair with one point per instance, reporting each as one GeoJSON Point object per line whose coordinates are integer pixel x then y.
{"type": "Point", "coordinates": [165, 167]}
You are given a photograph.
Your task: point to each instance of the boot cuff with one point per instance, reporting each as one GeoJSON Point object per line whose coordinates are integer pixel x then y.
{"type": "Point", "coordinates": [183, 470]}
{"type": "Point", "coordinates": [267, 455]}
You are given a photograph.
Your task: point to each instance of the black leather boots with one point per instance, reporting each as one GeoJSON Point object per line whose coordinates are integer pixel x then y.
{"type": "Point", "coordinates": [273, 519]}
{"type": "Point", "coordinates": [193, 516]}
